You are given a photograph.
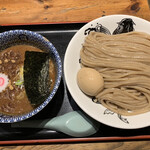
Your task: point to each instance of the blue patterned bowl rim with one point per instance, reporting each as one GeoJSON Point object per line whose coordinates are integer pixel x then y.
{"type": "Point", "coordinates": [58, 63]}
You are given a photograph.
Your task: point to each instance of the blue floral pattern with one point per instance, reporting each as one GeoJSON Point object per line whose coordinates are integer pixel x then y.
{"type": "Point", "coordinates": [15, 37]}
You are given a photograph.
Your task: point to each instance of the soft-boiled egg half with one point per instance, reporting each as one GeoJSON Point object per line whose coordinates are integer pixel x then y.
{"type": "Point", "coordinates": [90, 81]}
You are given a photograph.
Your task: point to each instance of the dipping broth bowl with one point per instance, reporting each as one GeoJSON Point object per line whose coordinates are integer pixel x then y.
{"type": "Point", "coordinates": [17, 37]}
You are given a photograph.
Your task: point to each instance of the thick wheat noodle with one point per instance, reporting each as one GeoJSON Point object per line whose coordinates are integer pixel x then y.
{"type": "Point", "coordinates": [124, 62]}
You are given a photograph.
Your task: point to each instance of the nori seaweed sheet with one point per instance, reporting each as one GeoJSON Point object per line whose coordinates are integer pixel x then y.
{"type": "Point", "coordinates": [36, 76]}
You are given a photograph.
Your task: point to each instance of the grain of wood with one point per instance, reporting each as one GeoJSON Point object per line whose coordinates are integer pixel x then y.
{"type": "Point", "coordinates": [35, 11]}
{"type": "Point", "coordinates": [134, 145]}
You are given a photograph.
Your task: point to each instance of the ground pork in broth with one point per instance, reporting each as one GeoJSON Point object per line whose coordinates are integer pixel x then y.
{"type": "Point", "coordinates": [13, 100]}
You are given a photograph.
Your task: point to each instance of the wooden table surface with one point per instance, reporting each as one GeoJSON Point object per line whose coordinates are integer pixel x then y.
{"type": "Point", "coordinates": [54, 11]}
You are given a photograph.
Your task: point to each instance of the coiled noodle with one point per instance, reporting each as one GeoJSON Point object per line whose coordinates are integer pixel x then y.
{"type": "Point", "coordinates": [124, 62]}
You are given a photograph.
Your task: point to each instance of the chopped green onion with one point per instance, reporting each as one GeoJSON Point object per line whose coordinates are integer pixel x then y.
{"type": "Point", "coordinates": [19, 82]}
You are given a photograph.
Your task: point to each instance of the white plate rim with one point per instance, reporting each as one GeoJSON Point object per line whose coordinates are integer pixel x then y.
{"type": "Point", "coordinates": [139, 121]}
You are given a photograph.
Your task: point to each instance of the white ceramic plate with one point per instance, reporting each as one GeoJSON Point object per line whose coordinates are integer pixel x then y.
{"type": "Point", "coordinates": [105, 24]}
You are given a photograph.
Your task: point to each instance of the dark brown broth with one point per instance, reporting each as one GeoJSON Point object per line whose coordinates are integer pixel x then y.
{"type": "Point", "coordinates": [13, 100]}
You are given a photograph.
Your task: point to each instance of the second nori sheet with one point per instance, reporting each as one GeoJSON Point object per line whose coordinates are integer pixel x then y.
{"type": "Point", "coordinates": [36, 76]}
